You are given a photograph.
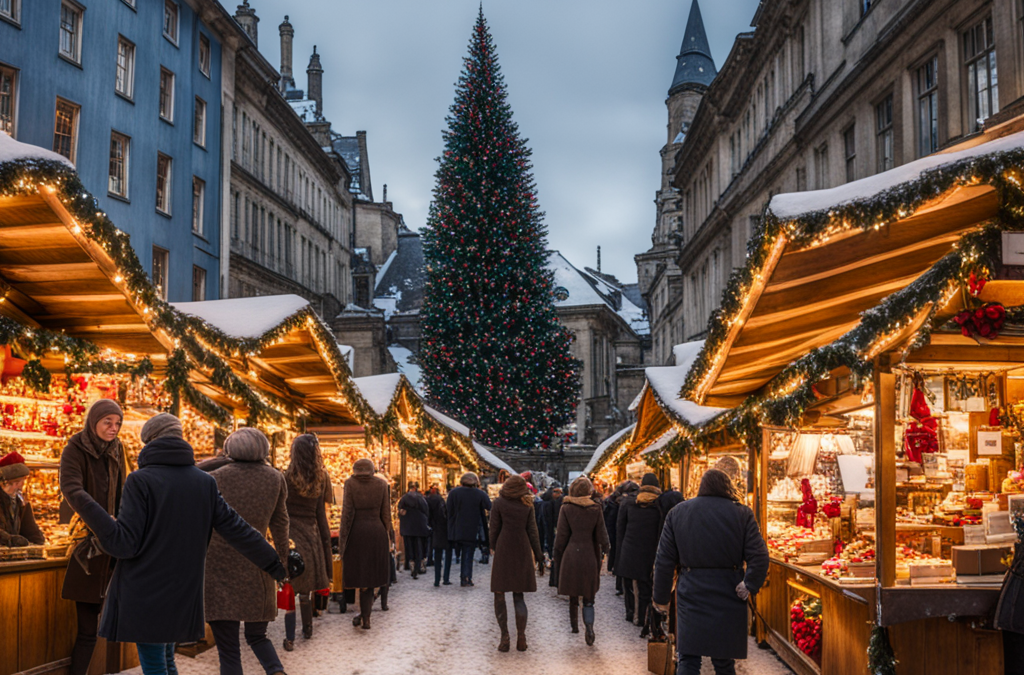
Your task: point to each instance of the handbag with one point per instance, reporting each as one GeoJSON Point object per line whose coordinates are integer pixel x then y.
{"type": "Point", "coordinates": [661, 647]}
{"type": "Point", "coordinates": [296, 565]}
{"type": "Point", "coordinates": [286, 598]}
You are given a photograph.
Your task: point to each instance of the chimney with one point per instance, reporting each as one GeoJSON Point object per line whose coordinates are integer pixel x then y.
{"type": "Point", "coordinates": [287, 35]}
{"type": "Point", "coordinates": [314, 89]}
{"type": "Point", "coordinates": [247, 19]}
{"type": "Point", "coordinates": [598, 259]}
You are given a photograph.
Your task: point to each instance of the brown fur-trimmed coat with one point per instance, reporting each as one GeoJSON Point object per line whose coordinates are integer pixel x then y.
{"type": "Point", "coordinates": [366, 532]}
{"type": "Point", "coordinates": [516, 545]}
{"type": "Point", "coordinates": [579, 543]}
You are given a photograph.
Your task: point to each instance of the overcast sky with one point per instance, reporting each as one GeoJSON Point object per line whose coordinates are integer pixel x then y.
{"type": "Point", "coordinates": [587, 82]}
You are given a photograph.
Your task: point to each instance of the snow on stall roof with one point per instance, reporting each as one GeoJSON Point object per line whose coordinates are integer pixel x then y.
{"type": "Point", "coordinates": [490, 458]}
{"type": "Point", "coordinates": [686, 353]}
{"type": "Point", "coordinates": [667, 382]}
{"type": "Point", "coordinates": [603, 448]}
{"type": "Point", "coordinates": [244, 318]}
{"type": "Point", "coordinates": [665, 439]}
{"type": "Point", "coordinates": [406, 364]}
{"type": "Point", "coordinates": [13, 151]}
{"type": "Point", "coordinates": [639, 397]}
{"type": "Point", "coordinates": [793, 205]}
{"type": "Point", "coordinates": [379, 390]}
{"type": "Point", "coordinates": [457, 427]}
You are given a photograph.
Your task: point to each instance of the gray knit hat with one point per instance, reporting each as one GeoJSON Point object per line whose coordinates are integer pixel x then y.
{"type": "Point", "coordinates": [247, 445]}
{"type": "Point", "coordinates": [161, 426]}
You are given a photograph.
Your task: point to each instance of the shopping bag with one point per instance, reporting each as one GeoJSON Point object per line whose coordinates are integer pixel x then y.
{"type": "Point", "coordinates": [286, 598]}
{"type": "Point", "coordinates": [661, 648]}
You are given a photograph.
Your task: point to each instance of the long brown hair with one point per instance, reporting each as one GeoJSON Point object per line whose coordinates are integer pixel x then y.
{"type": "Point", "coordinates": [305, 471]}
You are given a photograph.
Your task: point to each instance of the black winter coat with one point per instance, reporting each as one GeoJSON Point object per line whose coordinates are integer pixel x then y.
{"type": "Point", "coordinates": [638, 530]}
{"type": "Point", "coordinates": [467, 513]}
{"type": "Point", "coordinates": [708, 540]}
{"type": "Point", "coordinates": [552, 509]}
{"type": "Point", "coordinates": [1010, 610]}
{"type": "Point", "coordinates": [169, 510]}
{"type": "Point", "coordinates": [438, 520]}
{"type": "Point", "coordinates": [611, 518]}
{"type": "Point", "coordinates": [415, 522]}
{"type": "Point", "coordinates": [666, 500]}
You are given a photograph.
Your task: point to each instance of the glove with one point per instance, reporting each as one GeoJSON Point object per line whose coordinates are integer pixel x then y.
{"type": "Point", "coordinates": [661, 608]}
{"type": "Point", "coordinates": [742, 591]}
{"type": "Point", "coordinates": [18, 540]}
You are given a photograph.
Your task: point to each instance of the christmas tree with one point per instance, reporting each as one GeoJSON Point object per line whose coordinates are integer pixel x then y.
{"type": "Point", "coordinates": [492, 351]}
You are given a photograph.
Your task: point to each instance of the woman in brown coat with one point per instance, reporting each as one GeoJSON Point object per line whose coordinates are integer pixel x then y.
{"type": "Point", "coordinates": [579, 545]}
{"type": "Point", "coordinates": [365, 536]}
{"type": "Point", "coordinates": [92, 469]}
{"type": "Point", "coordinates": [307, 526]}
{"type": "Point", "coordinates": [236, 591]}
{"type": "Point", "coordinates": [515, 544]}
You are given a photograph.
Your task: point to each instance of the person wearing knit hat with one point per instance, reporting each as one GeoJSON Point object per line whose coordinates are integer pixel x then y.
{"type": "Point", "coordinates": [17, 524]}
{"type": "Point", "coordinates": [467, 510]}
{"type": "Point", "coordinates": [638, 529]}
{"type": "Point", "coordinates": [163, 425]}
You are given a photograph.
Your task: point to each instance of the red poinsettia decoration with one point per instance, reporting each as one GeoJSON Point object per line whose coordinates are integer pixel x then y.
{"type": "Point", "coordinates": [985, 322]}
{"type": "Point", "coordinates": [975, 283]}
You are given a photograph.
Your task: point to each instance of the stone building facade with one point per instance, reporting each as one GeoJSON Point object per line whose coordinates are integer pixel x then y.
{"type": "Point", "coordinates": [820, 93]}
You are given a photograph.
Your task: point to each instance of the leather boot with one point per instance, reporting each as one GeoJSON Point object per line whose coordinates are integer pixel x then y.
{"type": "Point", "coordinates": [306, 611]}
{"type": "Point", "coordinates": [520, 604]}
{"type": "Point", "coordinates": [588, 620]}
{"type": "Point", "coordinates": [384, 598]}
{"type": "Point", "coordinates": [574, 614]}
{"type": "Point", "coordinates": [501, 614]}
{"type": "Point", "coordinates": [365, 606]}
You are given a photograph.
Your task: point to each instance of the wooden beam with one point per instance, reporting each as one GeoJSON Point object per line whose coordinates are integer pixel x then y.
{"type": "Point", "coordinates": [885, 473]}
{"type": "Point", "coordinates": [991, 353]}
{"type": "Point", "coordinates": [28, 236]}
{"type": "Point", "coordinates": [68, 271]}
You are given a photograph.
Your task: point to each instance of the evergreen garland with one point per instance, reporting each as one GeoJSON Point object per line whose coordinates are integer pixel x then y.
{"type": "Point", "coordinates": [881, 657]}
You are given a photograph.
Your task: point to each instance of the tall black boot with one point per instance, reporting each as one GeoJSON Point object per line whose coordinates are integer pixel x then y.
{"type": "Point", "coordinates": [574, 614]}
{"type": "Point", "coordinates": [306, 612]}
{"type": "Point", "coordinates": [588, 619]}
{"type": "Point", "coordinates": [384, 598]}
{"type": "Point", "coordinates": [520, 604]}
{"type": "Point", "coordinates": [501, 614]}
{"type": "Point", "coordinates": [365, 606]}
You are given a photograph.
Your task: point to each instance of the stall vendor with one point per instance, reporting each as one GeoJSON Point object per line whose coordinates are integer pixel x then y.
{"type": "Point", "coordinates": [17, 524]}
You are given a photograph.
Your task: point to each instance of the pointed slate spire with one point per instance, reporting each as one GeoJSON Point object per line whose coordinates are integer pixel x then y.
{"type": "Point", "coordinates": [694, 65]}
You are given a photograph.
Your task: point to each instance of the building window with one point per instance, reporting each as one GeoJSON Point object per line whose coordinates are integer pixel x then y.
{"type": "Point", "coordinates": [166, 95]}
{"type": "Point", "coordinates": [198, 197]}
{"type": "Point", "coordinates": [9, 9]}
{"type": "Point", "coordinates": [884, 135]}
{"type": "Point", "coordinates": [821, 167]}
{"type": "Point", "coordinates": [171, 21]}
{"type": "Point", "coordinates": [124, 83]}
{"type": "Point", "coordinates": [204, 55]}
{"type": "Point", "coordinates": [850, 152]}
{"type": "Point", "coordinates": [236, 215]}
{"type": "Point", "coordinates": [160, 271]}
{"type": "Point", "coordinates": [71, 31]}
{"type": "Point", "coordinates": [199, 123]}
{"type": "Point", "coordinates": [982, 76]}
{"type": "Point", "coordinates": [163, 184]}
{"type": "Point", "coordinates": [928, 107]}
{"type": "Point", "coordinates": [117, 183]}
{"type": "Point", "coordinates": [65, 129]}
{"type": "Point", "coordinates": [801, 179]}
{"type": "Point", "coordinates": [198, 284]}
{"type": "Point", "coordinates": [7, 89]}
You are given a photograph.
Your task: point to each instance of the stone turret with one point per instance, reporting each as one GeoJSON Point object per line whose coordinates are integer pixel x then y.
{"type": "Point", "coordinates": [695, 71]}
{"type": "Point", "coordinates": [247, 19]}
{"type": "Point", "coordinates": [315, 82]}
{"type": "Point", "coordinates": [287, 37]}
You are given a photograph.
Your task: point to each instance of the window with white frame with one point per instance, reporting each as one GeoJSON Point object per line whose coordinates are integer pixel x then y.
{"type": "Point", "coordinates": [10, 9]}
{"type": "Point", "coordinates": [982, 75]}
{"type": "Point", "coordinates": [850, 152]}
{"type": "Point", "coordinates": [160, 264]}
{"type": "Point", "coordinates": [198, 284]}
{"type": "Point", "coordinates": [171, 21]}
{"type": "Point", "coordinates": [199, 123]}
{"type": "Point", "coordinates": [166, 95]}
{"type": "Point", "coordinates": [117, 182]}
{"type": "Point", "coordinates": [124, 82]}
{"type": "Point", "coordinates": [204, 55]}
{"type": "Point", "coordinates": [927, 82]}
{"type": "Point", "coordinates": [884, 134]}
{"type": "Point", "coordinates": [71, 31]}
{"type": "Point", "coordinates": [163, 183]}
{"type": "Point", "coordinates": [198, 197]}
{"type": "Point", "coordinates": [8, 82]}
{"type": "Point", "coordinates": [65, 129]}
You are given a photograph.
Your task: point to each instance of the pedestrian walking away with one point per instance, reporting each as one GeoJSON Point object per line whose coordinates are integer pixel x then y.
{"type": "Point", "coordinates": [467, 511]}
{"type": "Point", "coordinates": [515, 543]}
{"type": "Point", "coordinates": [93, 468]}
{"type": "Point", "coordinates": [440, 546]}
{"type": "Point", "coordinates": [168, 513]}
{"type": "Point", "coordinates": [580, 543]}
{"type": "Point", "coordinates": [611, 515]}
{"type": "Point", "coordinates": [237, 592]}
{"type": "Point", "coordinates": [365, 536]}
{"type": "Point", "coordinates": [707, 541]}
{"type": "Point", "coordinates": [307, 486]}
{"type": "Point", "coordinates": [638, 530]}
{"type": "Point", "coordinates": [413, 525]}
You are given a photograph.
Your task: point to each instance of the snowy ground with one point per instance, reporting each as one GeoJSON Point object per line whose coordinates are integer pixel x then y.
{"type": "Point", "coordinates": [452, 630]}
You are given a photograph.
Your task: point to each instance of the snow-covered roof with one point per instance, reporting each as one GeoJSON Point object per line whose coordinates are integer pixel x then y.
{"type": "Point", "coordinates": [348, 353]}
{"type": "Point", "coordinates": [667, 382]}
{"type": "Point", "coordinates": [793, 205]}
{"type": "Point", "coordinates": [382, 272]}
{"type": "Point", "coordinates": [402, 280]}
{"type": "Point", "coordinates": [379, 390]}
{"type": "Point", "coordinates": [305, 109]}
{"type": "Point", "coordinates": [457, 427]}
{"type": "Point", "coordinates": [13, 151]}
{"type": "Point", "coordinates": [686, 353]}
{"type": "Point", "coordinates": [407, 366]}
{"type": "Point", "coordinates": [580, 288]}
{"type": "Point", "coordinates": [489, 457]}
{"type": "Point", "coordinates": [603, 448]}
{"type": "Point", "coordinates": [659, 444]}
{"type": "Point", "coordinates": [245, 318]}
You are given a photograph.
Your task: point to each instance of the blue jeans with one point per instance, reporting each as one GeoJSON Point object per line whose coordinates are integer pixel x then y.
{"type": "Point", "coordinates": [467, 548]}
{"type": "Point", "coordinates": [157, 658]}
{"type": "Point", "coordinates": [446, 554]}
{"type": "Point", "coordinates": [690, 665]}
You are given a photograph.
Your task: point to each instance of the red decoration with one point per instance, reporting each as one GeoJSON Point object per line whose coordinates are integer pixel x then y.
{"type": "Point", "coordinates": [805, 514]}
{"type": "Point", "coordinates": [993, 418]}
{"type": "Point", "coordinates": [975, 284]}
{"type": "Point", "coordinates": [834, 508]}
{"type": "Point", "coordinates": [921, 436]}
{"type": "Point", "coordinates": [984, 322]}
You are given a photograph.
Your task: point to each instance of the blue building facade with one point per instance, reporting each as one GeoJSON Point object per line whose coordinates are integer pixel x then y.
{"type": "Point", "coordinates": [130, 90]}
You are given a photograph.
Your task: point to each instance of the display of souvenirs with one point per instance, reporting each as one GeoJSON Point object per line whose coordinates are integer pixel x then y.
{"type": "Point", "coordinates": [788, 489]}
{"type": "Point", "coordinates": [805, 624]}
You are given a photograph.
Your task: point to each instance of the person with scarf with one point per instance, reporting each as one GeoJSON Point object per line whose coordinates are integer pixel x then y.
{"type": "Point", "coordinates": [169, 511]}
{"type": "Point", "coordinates": [93, 469]}
{"type": "Point", "coordinates": [708, 541]}
{"type": "Point", "coordinates": [579, 545]}
{"type": "Point", "coordinates": [365, 536]}
{"type": "Point", "coordinates": [515, 544]}
{"type": "Point", "coordinates": [17, 523]}
{"type": "Point", "coordinates": [637, 531]}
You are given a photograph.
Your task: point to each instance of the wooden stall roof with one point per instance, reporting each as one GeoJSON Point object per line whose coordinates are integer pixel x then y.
{"type": "Point", "coordinates": [54, 276]}
{"type": "Point", "coordinates": [808, 296]}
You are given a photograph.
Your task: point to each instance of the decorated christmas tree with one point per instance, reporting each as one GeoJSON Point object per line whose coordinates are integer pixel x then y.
{"type": "Point", "coordinates": [492, 351]}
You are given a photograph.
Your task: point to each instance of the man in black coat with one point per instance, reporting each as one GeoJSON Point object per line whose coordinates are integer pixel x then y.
{"type": "Point", "coordinates": [468, 506]}
{"type": "Point", "coordinates": [439, 535]}
{"type": "Point", "coordinates": [413, 518]}
{"type": "Point", "coordinates": [637, 531]}
{"type": "Point", "coordinates": [708, 540]}
{"type": "Point", "coordinates": [611, 516]}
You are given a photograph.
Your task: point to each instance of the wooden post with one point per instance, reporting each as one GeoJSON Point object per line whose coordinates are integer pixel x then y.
{"type": "Point", "coordinates": [758, 463]}
{"type": "Point", "coordinates": [403, 484]}
{"type": "Point", "coordinates": [885, 472]}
